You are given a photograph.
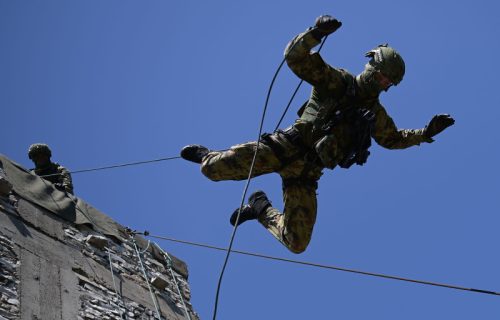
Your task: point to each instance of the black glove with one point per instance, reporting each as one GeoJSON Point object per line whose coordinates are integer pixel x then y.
{"type": "Point", "coordinates": [437, 124]}
{"type": "Point", "coordinates": [324, 26]}
{"type": "Point", "coordinates": [60, 187]}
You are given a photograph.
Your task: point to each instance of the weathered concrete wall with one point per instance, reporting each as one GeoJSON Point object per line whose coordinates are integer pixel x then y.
{"type": "Point", "coordinates": [52, 270]}
{"type": "Point", "coordinates": [9, 280]}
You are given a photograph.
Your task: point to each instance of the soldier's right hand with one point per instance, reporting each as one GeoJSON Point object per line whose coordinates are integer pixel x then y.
{"type": "Point", "coordinates": [326, 25]}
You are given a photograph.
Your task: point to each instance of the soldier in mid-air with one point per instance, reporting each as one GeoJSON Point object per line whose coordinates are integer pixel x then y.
{"type": "Point", "coordinates": [40, 154]}
{"type": "Point", "coordinates": [335, 128]}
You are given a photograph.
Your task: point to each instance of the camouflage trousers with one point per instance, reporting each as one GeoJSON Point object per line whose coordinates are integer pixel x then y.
{"type": "Point", "coordinates": [294, 227]}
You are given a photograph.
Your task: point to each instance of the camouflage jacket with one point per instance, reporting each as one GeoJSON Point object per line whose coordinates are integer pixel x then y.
{"type": "Point", "coordinates": [57, 174]}
{"type": "Point", "coordinates": [333, 89]}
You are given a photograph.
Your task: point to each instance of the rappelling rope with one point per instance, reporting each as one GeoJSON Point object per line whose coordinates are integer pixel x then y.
{"type": "Point", "coordinates": [114, 166]}
{"type": "Point", "coordinates": [250, 173]}
{"type": "Point", "coordinates": [114, 283]}
{"type": "Point", "coordinates": [247, 184]}
{"type": "Point", "coordinates": [147, 247]}
{"type": "Point", "coordinates": [323, 266]}
{"type": "Point", "coordinates": [153, 297]}
{"type": "Point", "coordinates": [169, 263]}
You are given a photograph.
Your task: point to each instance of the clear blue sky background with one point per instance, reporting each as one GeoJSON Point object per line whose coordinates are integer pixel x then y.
{"type": "Point", "coordinates": [108, 82]}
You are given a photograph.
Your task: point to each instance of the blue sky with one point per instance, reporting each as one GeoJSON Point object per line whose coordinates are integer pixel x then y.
{"type": "Point", "coordinates": [108, 82]}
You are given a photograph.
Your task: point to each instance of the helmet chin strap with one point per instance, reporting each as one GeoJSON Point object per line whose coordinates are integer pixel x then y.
{"type": "Point", "coordinates": [367, 83]}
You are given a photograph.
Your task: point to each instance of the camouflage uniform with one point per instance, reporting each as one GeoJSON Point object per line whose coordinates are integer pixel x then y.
{"type": "Point", "coordinates": [294, 227]}
{"type": "Point", "coordinates": [294, 157]}
{"type": "Point", "coordinates": [57, 174]}
{"type": "Point", "coordinates": [53, 172]}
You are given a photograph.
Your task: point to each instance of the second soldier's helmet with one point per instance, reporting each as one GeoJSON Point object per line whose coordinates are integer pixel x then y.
{"type": "Point", "coordinates": [388, 61]}
{"type": "Point", "coordinates": [39, 148]}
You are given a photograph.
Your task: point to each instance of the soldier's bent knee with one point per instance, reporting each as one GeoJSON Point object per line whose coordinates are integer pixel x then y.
{"type": "Point", "coordinates": [297, 248]}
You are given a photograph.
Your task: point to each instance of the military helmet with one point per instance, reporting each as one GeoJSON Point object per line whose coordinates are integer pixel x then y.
{"type": "Point", "coordinates": [388, 61]}
{"type": "Point", "coordinates": [39, 148]}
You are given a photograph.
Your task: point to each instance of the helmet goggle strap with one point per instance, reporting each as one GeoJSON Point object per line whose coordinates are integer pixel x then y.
{"type": "Point", "coordinates": [384, 81]}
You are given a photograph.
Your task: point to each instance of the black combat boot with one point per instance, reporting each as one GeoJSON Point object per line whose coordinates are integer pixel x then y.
{"type": "Point", "coordinates": [194, 153]}
{"type": "Point", "coordinates": [257, 205]}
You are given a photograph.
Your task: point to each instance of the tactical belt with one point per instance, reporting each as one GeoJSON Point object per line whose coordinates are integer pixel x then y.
{"type": "Point", "coordinates": [277, 149]}
{"type": "Point", "coordinates": [293, 136]}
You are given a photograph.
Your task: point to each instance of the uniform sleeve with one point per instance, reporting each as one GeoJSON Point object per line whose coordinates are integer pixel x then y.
{"type": "Point", "coordinates": [308, 65]}
{"type": "Point", "coordinates": [389, 136]}
{"type": "Point", "coordinates": [65, 179]}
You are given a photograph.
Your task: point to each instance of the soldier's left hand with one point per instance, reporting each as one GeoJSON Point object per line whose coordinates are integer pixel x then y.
{"type": "Point", "coordinates": [325, 25]}
{"type": "Point", "coordinates": [437, 124]}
